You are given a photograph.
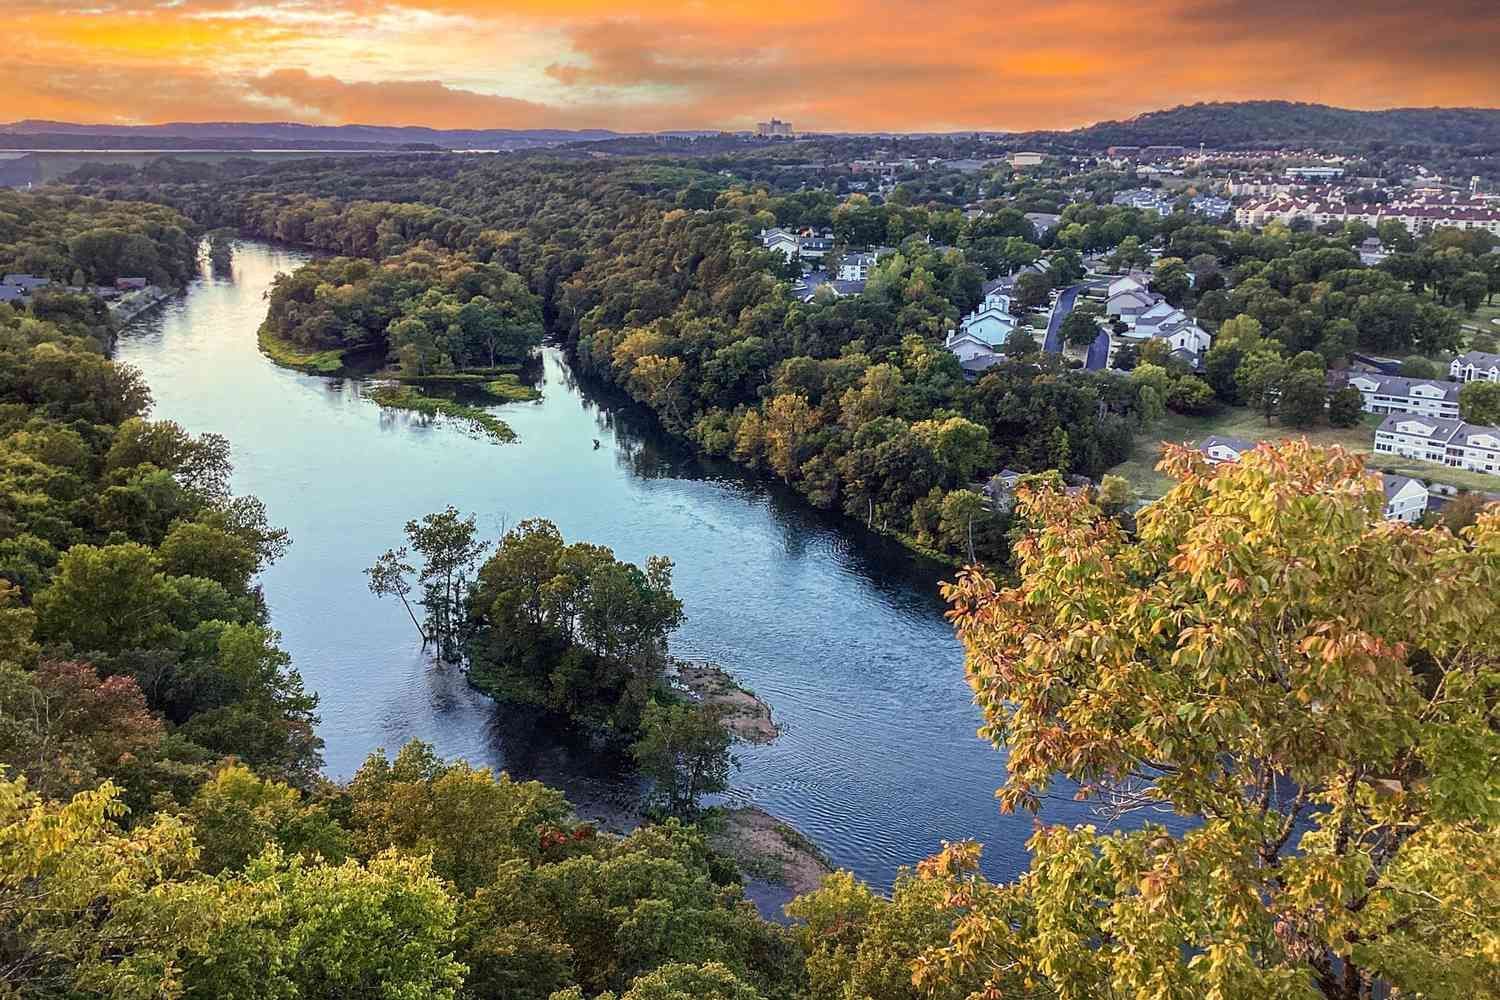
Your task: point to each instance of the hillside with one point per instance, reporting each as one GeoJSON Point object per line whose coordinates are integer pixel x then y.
{"type": "Point", "coordinates": [1259, 124]}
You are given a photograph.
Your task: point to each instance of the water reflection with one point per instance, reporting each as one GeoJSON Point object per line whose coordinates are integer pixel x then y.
{"type": "Point", "coordinates": [842, 634]}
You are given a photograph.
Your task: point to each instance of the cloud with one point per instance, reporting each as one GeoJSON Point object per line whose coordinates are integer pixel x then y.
{"type": "Point", "coordinates": [866, 64]}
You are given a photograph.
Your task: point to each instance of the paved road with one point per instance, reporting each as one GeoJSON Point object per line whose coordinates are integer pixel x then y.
{"type": "Point", "coordinates": [1053, 343]}
{"type": "Point", "coordinates": [1098, 353]}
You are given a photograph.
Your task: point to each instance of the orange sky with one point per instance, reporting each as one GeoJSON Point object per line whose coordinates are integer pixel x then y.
{"type": "Point", "coordinates": [856, 65]}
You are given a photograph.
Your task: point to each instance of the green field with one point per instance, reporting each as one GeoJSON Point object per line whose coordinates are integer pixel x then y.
{"type": "Point", "coordinates": [1140, 469]}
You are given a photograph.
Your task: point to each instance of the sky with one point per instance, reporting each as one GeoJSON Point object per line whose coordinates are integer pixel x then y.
{"type": "Point", "coordinates": [858, 65]}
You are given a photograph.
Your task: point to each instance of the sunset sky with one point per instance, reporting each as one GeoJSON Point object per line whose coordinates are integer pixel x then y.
{"type": "Point", "coordinates": [861, 65]}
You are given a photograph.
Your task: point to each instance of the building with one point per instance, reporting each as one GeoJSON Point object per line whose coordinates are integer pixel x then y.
{"type": "Point", "coordinates": [1315, 173]}
{"type": "Point", "coordinates": [1041, 222]}
{"type": "Point", "coordinates": [1219, 448]}
{"type": "Point", "coordinates": [1026, 159]}
{"type": "Point", "coordinates": [858, 265]}
{"type": "Point", "coordinates": [1211, 205]}
{"type": "Point", "coordinates": [1371, 252]}
{"type": "Point", "coordinates": [1474, 365]}
{"type": "Point", "coordinates": [1398, 394]}
{"type": "Point", "coordinates": [1452, 443]}
{"type": "Point", "coordinates": [131, 284]}
{"type": "Point", "coordinates": [1163, 152]}
{"type": "Point", "coordinates": [1123, 152]}
{"type": "Point", "coordinates": [773, 129]}
{"type": "Point", "coordinates": [1418, 215]}
{"type": "Point", "coordinates": [1145, 199]}
{"type": "Point", "coordinates": [1406, 498]}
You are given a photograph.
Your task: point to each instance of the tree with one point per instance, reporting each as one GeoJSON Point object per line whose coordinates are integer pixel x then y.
{"type": "Point", "coordinates": [1190, 394]}
{"type": "Point", "coordinates": [1171, 281]}
{"type": "Point", "coordinates": [237, 815]}
{"type": "Point", "coordinates": [1259, 660]}
{"type": "Point", "coordinates": [1115, 494]}
{"type": "Point", "coordinates": [1345, 407]}
{"type": "Point", "coordinates": [107, 599]}
{"type": "Point", "coordinates": [1304, 397]}
{"type": "Point", "coordinates": [788, 420]}
{"type": "Point", "coordinates": [390, 577]}
{"type": "Point", "coordinates": [1078, 329]}
{"type": "Point", "coordinates": [449, 547]}
{"type": "Point", "coordinates": [1031, 290]}
{"type": "Point", "coordinates": [1479, 402]}
{"type": "Point", "coordinates": [467, 820]}
{"type": "Point", "coordinates": [1417, 366]}
{"type": "Point", "coordinates": [1258, 379]}
{"type": "Point", "coordinates": [1021, 342]}
{"type": "Point", "coordinates": [684, 750]}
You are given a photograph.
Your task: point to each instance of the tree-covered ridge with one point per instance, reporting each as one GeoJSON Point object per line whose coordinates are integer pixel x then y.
{"type": "Point", "coordinates": [1271, 124]}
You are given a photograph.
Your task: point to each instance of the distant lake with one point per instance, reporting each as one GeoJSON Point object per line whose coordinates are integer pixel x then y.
{"type": "Point", "coordinates": [842, 634]}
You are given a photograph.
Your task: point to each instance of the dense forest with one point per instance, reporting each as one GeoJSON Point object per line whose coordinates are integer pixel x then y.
{"type": "Point", "coordinates": [1314, 687]}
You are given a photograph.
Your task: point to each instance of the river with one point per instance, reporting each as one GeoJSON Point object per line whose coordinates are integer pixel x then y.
{"type": "Point", "coordinates": [842, 635]}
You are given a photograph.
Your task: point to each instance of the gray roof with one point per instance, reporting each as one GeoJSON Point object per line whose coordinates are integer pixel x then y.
{"type": "Point", "coordinates": [1443, 429]}
{"type": "Point", "coordinates": [1400, 385]}
{"type": "Point", "coordinates": [25, 282]}
{"type": "Point", "coordinates": [1391, 484]}
{"type": "Point", "coordinates": [10, 293]}
{"type": "Point", "coordinates": [1479, 359]}
{"type": "Point", "coordinates": [1236, 443]}
{"type": "Point", "coordinates": [848, 287]}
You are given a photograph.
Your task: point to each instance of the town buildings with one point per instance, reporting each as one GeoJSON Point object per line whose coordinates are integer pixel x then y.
{"type": "Point", "coordinates": [1398, 394]}
{"type": "Point", "coordinates": [1146, 199]}
{"type": "Point", "coordinates": [1147, 316]}
{"type": "Point", "coordinates": [775, 128]}
{"type": "Point", "coordinates": [1453, 443]}
{"type": "Point", "coordinates": [1417, 215]}
{"type": "Point", "coordinates": [1475, 365]}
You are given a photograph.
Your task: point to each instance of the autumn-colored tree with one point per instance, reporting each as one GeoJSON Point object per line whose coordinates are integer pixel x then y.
{"type": "Point", "coordinates": [788, 419]}
{"type": "Point", "coordinates": [1310, 688]}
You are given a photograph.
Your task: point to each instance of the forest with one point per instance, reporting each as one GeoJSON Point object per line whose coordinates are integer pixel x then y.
{"type": "Point", "coordinates": [1311, 687]}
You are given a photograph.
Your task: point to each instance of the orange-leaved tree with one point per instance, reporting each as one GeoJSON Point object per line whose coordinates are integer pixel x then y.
{"type": "Point", "coordinates": [1312, 690]}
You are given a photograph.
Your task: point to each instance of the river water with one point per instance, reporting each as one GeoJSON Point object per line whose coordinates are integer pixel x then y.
{"type": "Point", "coordinates": [842, 635]}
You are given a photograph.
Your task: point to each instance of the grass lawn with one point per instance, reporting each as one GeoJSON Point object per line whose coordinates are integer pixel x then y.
{"type": "Point", "coordinates": [1140, 469]}
{"type": "Point", "coordinates": [1482, 319]}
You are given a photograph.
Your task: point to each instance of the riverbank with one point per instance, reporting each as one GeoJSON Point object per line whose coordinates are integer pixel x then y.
{"type": "Point", "coordinates": [138, 303]}
{"type": "Point", "coordinates": [747, 718]}
{"type": "Point", "coordinates": [769, 849]}
{"type": "Point", "coordinates": [289, 355]}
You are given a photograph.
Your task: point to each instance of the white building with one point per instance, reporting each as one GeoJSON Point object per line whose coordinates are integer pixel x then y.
{"type": "Point", "coordinates": [857, 266]}
{"type": "Point", "coordinates": [1448, 442]}
{"type": "Point", "coordinates": [1219, 448]}
{"type": "Point", "coordinates": [1475, 365]}
{"type": "Point", "coordinates": [1405, 497]}
{"type": "Point", "coordinates": [1396, 394]}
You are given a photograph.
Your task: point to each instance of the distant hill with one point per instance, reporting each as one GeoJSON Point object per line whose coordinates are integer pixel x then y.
{"type": "Point", "coordinates": [36, 134]}
{"type": "Point", "coordinates": [1267, 124]}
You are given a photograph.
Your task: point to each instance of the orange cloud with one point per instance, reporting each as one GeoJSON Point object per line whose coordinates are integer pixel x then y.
{"type": "Point", "coordinates": [867, 64]}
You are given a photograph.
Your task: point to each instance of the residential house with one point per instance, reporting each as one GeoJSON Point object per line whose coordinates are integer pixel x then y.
{"type": "Point", "coordinates": [1474, 365]}
{"type": "Point", "coordinates": [1405, 498]}
{"type": "Point", "coordinates": [1434, 439]}
{"type": "Point", "coordinates": [992, 322]}
{"type": "Point", "coordinates": [780, 241]}
{"type": "Point", "coordinates": [966, 346]}
{"type": "Point", "coordinates": [1371, 252]}
{"type": "Point", "coordinates": [1026, 159]}
{"type": "Point", "coordinates": [131, 284]}
{"type": "Point", "coordinates": [10, 293]}
{"type": "Point", "coordinates": [1219, 448]}
{"type": "Point", "coordinates": [1146, 199]}
{"type": "Point", "coordinates": [1211, 205]}
{"type": "Point", "coordinates": [1042, 222]}
{"type": "Point", "coordinates": [858, 265]}
{"type": "Point", "coordinates": [1398, 394]}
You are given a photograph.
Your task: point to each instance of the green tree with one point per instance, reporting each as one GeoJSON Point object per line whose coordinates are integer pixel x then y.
{"type": "Point", "coordinates": [684, 750]}
{"type": "Point", "coordinates": [1345, 407]}
{"type": "Point", "coordinates": [107, 599]}
{"type": "Point", "coordinates": [1479, 402]}
{"type": "Point", "coordinates": [1303, 398]}
{"type": "Point", "coordinates": [1031, 290]}
{"type": "Point", "coordinates": [1257, 659]}
{"type": "Point", "coordinates": [449, 547]}
{"type": "Point", "coordinates": [1078, 329]}
{"type": "Point", "coordinates": [1258, 379]}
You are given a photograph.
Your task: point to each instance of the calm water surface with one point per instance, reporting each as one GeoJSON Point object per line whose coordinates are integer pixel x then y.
{"type": "Point", "coordinates": [844, 638]}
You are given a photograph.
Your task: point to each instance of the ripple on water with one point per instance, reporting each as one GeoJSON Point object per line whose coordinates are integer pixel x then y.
{"type": "Point", "coordinates": [844, 637]}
